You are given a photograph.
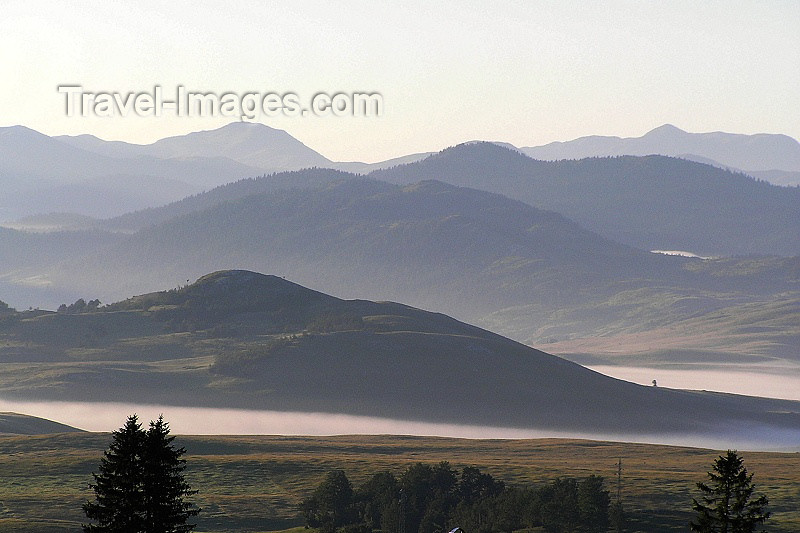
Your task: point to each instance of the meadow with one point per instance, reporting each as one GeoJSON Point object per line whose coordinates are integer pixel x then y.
{"type": "Point", "coordinates": [255, 483]}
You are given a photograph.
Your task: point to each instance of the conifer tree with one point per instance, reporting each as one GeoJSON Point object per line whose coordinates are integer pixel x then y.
{"type": "Point", "coordinates": [118, 488]}
{"type": "Point", "coordinates": [141, 487]}
{"type": "Point", "coordinates": [726, 504]}
{"type": "Point", "coordinates": [165, 485]}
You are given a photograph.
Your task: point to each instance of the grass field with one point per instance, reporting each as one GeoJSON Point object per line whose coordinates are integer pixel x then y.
{"type": "Point", "coordinates": [254, 483]}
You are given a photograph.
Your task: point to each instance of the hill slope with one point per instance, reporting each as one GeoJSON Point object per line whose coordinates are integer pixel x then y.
{"type": "Point", "coordinates": [17, 424]}
{"type": "Point", "coordinates": [241, 339]}
{"type": "Point", "coordinates": [480, 257]}
{"type": "Point", "coordinates": [652, 202]}
{"type": "Point", "coordinates": [42, 174]}
{"type": "Point", "coordinates": [431, 243]}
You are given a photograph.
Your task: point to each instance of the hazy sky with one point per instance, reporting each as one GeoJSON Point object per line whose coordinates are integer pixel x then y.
{"type": "Point", "coordinates": [526, 72]}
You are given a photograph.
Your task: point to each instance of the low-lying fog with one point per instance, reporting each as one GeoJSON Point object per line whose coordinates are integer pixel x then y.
{"type": "Point", "coordinates": [198, 421]}
{"type": "Point", "coordinates": [769, 381]}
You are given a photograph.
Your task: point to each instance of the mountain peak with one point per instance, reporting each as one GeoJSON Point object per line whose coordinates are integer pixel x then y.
{"type": "Point", "coordinates": [665, 130]}
{"type": "Point", "coordinates": [244, 285]}
{"type": "Point", "coordinates": [227, 292]}
{"type": "Point", "coordinates": [241, 125]}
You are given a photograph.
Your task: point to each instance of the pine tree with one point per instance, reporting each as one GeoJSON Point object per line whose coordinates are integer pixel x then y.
{"type": "Point", "coordinates": [118, 487]}
{"type": "Point", "coordinates": [141, 487]}
{"type": "Point", "coordinates": [726, 504]}
{"type": "Point", "coordinates": [165, 486]}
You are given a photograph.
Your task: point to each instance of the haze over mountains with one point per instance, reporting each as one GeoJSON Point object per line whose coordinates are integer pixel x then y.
{"type": "Point", "coordinates": [89, 176]}
{"type": "Point", "coordinates": [569, 264]}
{"type": "Point", "coordinates": [241, 339]}
{"type": "Point", "coordinates": [651, 202]}
{"type": "Point", "coordinates": [775, 158]}
{"type": "Point", "coordinates": [528, 273]}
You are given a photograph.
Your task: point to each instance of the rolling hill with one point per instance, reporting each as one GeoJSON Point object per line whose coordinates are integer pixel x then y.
{"type": "Point", "coordinates": [652, 202]}
{"type": "Point", "coordinates": [529, 274]}
{"type": "Point", "coordinates": [17, 424]}
{"type": "Point", "coordinates": [433, 244]}
{"type": "Point", "coordinates": [241, 339]}
{"type": "Point", "coordinates": [42, 174]}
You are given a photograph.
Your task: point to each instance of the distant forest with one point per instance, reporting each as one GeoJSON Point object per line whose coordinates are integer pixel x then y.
{"type": "Point", "coordinates": [435, 498]}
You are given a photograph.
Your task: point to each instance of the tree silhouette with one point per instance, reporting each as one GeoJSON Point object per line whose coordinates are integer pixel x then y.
{"type": "Point", "coordinates": [725, 505]}
{"type": "Point", "coordinates": [118, 487]}
{"type": "Point", "coordinates": [140, 487]}
{"type": "Point", "coordinates": [331, 506]}
{"type": "Point", "coordinates": [165, 486]}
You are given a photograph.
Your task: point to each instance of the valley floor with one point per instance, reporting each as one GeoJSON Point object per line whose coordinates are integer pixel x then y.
{"type": "Point", "coordinates": [254, 483]}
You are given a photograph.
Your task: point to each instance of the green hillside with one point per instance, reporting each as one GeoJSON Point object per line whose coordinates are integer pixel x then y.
{"type": "Point", "coordinates": [255, 484]}
{"type": "Point", "coordinates": [241, 339]}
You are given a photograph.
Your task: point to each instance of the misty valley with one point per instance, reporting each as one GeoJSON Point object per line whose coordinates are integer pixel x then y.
{"type": "Point", "coordinates": [477, 294]}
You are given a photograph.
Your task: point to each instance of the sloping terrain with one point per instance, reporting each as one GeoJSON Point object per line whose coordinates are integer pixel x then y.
{"type": "Point", "coordinates": [17, 424]}
{"type": "Point", "coordinates": [431, 244]}
{"type": "Point", "coordinates": [523, 272]}
{"type": "Point", "coordinates": [240, 339]}
{"type": "Point", "coordinates": [651, 202]}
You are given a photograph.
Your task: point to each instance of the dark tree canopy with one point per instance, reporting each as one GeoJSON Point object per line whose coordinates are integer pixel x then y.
{"type": "Point", "coordinates": [726, 503]}
{"type": "Point", "coordinates": [140, 487]}
{"type": "Point", "coordinates": [118, 486]}
{"type": "Point", "coordinates": [331, 506]}
{"type": "Point", "coordinates": [433, 498]}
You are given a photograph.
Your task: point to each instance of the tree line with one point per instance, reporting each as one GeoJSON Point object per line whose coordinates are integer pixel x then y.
{"type": "Point", "coordinates": [436, 498]}
{"type": "Point", "coordinates": [141, 488]}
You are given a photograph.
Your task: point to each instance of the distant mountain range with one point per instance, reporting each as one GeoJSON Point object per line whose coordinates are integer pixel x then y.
{"type": "Point", "coordinates": [89, 176]}
{"type": "Point", "coordinates": [241, 339]}
{"type": "Point", "coordinates": [775, 158]}
{"type": "Point", "coordinates": [528, 273]}
{"type": "Point", "coordinates": [255, 145]}
{"type": "Point", "coordinates": [570, 263]}
{"type": "Point", "coordinates": [650, 202]}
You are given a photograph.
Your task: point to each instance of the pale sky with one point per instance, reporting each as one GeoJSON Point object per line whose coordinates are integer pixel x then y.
{"type": "Point", "coordinates": [524, 72]}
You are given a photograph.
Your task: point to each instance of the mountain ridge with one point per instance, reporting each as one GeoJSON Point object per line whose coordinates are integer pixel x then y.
{"type": "Point", "coordinates": [649, 202]}
{"type": "Point", "coordinates": [748, 153]}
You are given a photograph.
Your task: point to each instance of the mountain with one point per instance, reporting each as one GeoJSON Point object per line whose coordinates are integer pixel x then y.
{"type": "Point", "coordinates": [88, 176]}
{"type": "Point", "coordinates": [530, 274]}
{"type": "Point", "coordinates": [431, 243]}
{"type": "Point", "coordinates": [750, 153]}
{"type": "Point", "coordinates": [778, 177]}
{"type": "Point", "coordinates": [252, 144]}
{"type": "Point", "coordinates": [365, 168]}
{"type": "Point", "coordinates": [17, 424]}
{"type": "Point", "coordinates": [241, 339]}
{"type": "Point", "coordinates": [41, 174]}
{"type": "Point", "coordinates": [650, 202]}
{"type": "Point", "coordinates": [299, 179]}
{"type": "Point", "coordinates": [25, 256]}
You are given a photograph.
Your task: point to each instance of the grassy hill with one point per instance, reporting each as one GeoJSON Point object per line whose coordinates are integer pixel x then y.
{"type": "Point", "coordinates": [240, 339]}
{"type": "Point", "coordinates": [18, 424]}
